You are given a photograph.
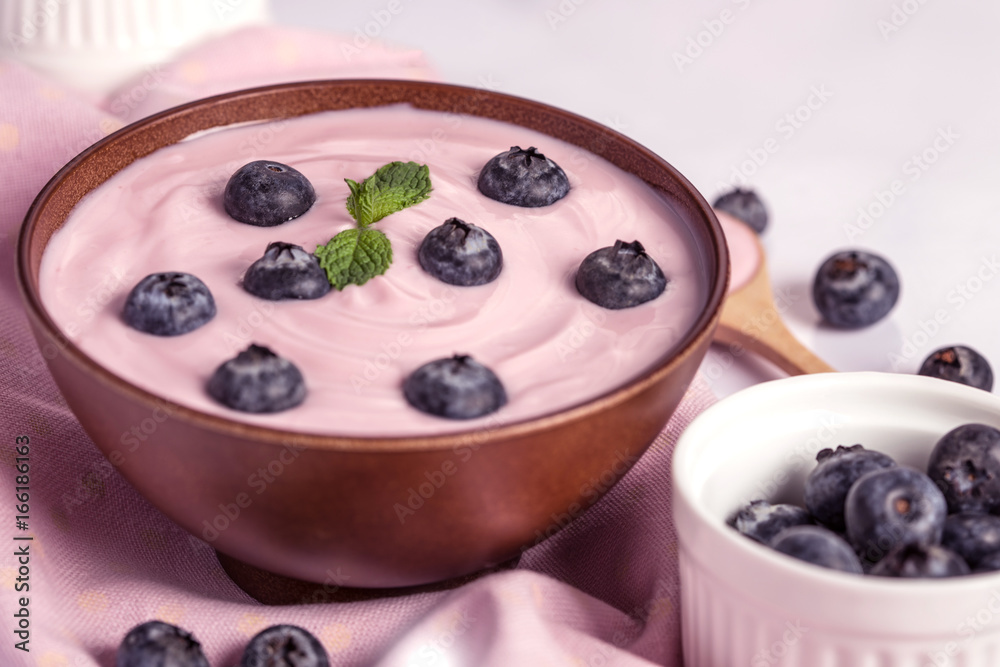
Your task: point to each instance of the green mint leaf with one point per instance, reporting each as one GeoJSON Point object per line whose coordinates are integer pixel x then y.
{"type": "Point", "coordinates": [392, 188]}
{"type": "Point", "coordinates": [352, 206]}
{"type": "Point", "coordinates": [368, 204]}
{"type": "Point", "coordinates": [354, 256]}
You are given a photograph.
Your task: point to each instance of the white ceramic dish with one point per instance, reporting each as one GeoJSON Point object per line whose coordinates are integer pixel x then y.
{"type": "Point", "coordinates": [743, 604]}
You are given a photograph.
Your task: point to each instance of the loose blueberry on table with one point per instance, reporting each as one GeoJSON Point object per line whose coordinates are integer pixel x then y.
{"type": "Point", "coordinates": [893, 506]}
{"type": "Point", "coordinates": [286, 271]}
{"type": "Point", "coordinates": [959, 363]}
{"type": "Point", "coordinates": [827, 485]}
{"type": "Point", "coordinates": [461, 254]}
{"type": "Point", "coordinates": [169, 304]}
{"type": "Point", "coordinates": [965, 464]}
{"type": "Point", "coordinates": [854, 289]}
{"type": "Point", "coordinates": [257, 381]}
{"type": "Point", "coordinates": [761, 521]}
{"type": "Point", "coordinates": [620, 276]}
{"type": "Point", "coordinates": [743, 204]}
{"type": "Point", "coordinates": [523, 178]}
{"type": "Point", "coordinates": [159, 644]}
{"type": "Point", "coordinates": [920, 560]}
{"type": "Point", "coordinates": [265, 193]}
{"type": "Point", "coordinates": [284, 646]}
{"type": "Point", "coordinates": [819, 546]}
{"type": "Point", "coordinates": [458, 387]}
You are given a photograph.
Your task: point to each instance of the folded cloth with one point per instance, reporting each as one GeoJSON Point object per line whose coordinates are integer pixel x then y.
{"type": "Point", "coordinates": [602, 590]}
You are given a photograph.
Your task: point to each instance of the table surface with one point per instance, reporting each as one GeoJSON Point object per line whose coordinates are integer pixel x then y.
{"type": "Point", "coordinates": [862, 125]}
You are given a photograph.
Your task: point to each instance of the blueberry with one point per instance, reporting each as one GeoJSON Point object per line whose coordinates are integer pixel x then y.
{"type": "Point", "coordinates": [284, 646]}
{"type": "Point", "coordinates": [916, 560]}
{"type": "Point", "coordinates": [988, 563]}
{"type": "Point", "coordinates": [854, 289]}
{"type": "Point", "coordinates": [959, 364]}
{"type": "Point", "coordinates": [257, 380]}
{"type": "Point", "coordinates": [523, 178]}
{"type": "Point", "coordinates": [761, 521]}
{"type": "Point", "coordinates": [965, 464]}
{"type": "Point", "coordinates": [460, 254]}
{"type": "Point", "coordinates": [972, 536]}
{"type": "Point", "coordinates": [456, 388]}
{"type": "Point", "coordinates": [265, 193]}
{"type": "Point", "coordinates": [819, 546]}
{"type": "Point", "coordinates": [744, 205]}
{"type": "Point", "coordinates": [286, 271]}
{"type": "Point", "coordinates": [169, 304]}
{"type": "Point", "coordinates": [827, 485]}
{"type": "Point", "coordinates": [893, 506]}
{"type": "Point", "coordinates": [620, 276]}
{"type": "Point", "coordinates": [159, 644]}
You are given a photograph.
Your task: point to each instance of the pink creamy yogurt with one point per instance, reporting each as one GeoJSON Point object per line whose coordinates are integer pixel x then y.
{"type": "Point", "coordinates": [550, 347]}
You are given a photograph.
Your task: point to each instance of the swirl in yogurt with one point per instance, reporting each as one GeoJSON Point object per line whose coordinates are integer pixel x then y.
{"type": "Point", "coordinates": [551, 348]}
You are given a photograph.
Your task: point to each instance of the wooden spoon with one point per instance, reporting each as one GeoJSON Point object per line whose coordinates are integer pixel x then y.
{"type": "Point", "coordinates": [750, 318]}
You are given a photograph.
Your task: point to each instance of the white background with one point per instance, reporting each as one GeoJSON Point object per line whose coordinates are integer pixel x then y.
{"type": "Point", "coordinates": [706, 85]}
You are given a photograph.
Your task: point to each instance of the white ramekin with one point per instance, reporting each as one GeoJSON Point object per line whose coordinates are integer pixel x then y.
{"type": "Point", "coordinates": [743, 604]}
{"type": "Point", "coordinates": [96, 45]}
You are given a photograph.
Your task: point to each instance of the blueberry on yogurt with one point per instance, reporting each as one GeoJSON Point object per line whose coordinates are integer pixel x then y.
{"type": "Point", "coordinates": [169, 304]}
{"type": "Point", "coordinates": [286, 271]}
{"type": "Point", "coordinates": [159, 644]}
{"type": "Point", "coordinates": [458, 253]}
{"type": "Point", "coordinates": [257, 381]}
{"type": "Point", "coordinates": [854, 289]}
{"type": "Point", "coordinates": [458, 387]}
{"type": "Point", "coordinates": [523, 178]}
{"type": "Point", "coordinates": [265, 193]}
{"type": "Point", "coordinates": [284, 646]}
{"type": "Point", "coordinates": [620, 276]}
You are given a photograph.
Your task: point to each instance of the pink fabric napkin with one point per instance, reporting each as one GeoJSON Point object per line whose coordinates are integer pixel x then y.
{"type": "Point", "coordinates": [601, 591]}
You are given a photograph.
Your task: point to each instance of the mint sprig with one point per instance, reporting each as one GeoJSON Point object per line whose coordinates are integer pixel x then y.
{"type": "Point", "coordinates": [392, 188]}
{"type": "Point", "coordinates": [355, 256]}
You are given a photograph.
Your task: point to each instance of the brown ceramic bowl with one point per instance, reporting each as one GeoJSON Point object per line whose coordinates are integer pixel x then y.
{"type": "Point", "coordinates": [336, 513]}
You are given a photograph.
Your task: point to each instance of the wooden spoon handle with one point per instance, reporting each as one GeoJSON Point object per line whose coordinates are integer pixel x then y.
{"type": "Point", "coordinates": [775, 343]}
{"type": "Point", "coordinates": [750, 318]}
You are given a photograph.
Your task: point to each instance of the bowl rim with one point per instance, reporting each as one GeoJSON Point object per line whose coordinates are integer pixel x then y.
{"type": "Point", "coordinates": [687, 451]}
{"type": "Point", "coordinates": [163, 126]}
